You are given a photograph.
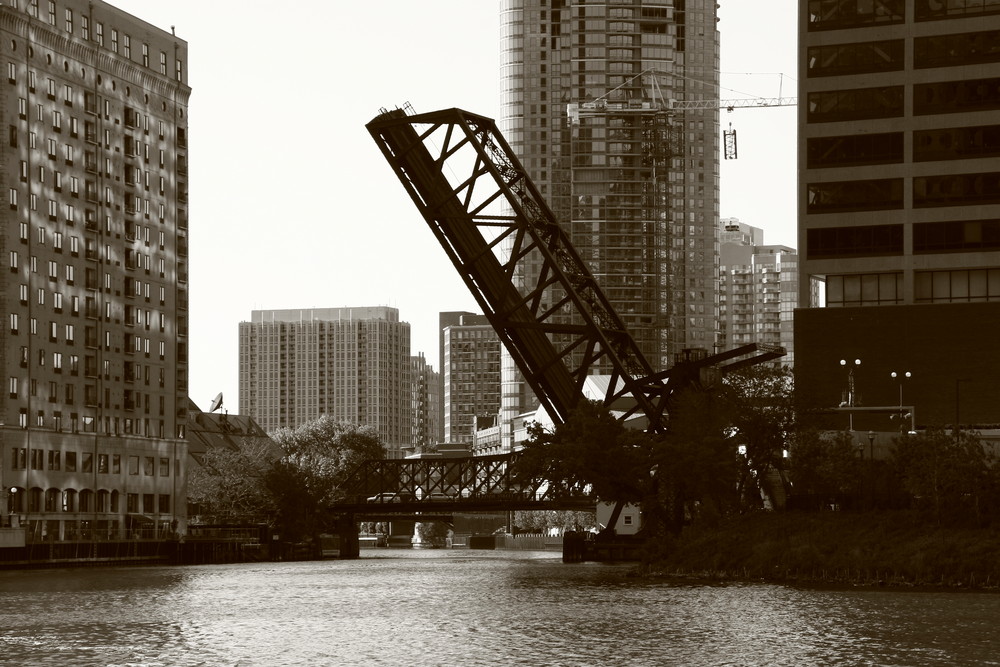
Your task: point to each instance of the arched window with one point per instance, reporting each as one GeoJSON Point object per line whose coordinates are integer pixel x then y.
{"type": "Point", "coordinates": [103, 498]}
{"type": "Point", "coordinates": [69, 500]}
{"type": "Point", "coordinates": [52, 500]}
{"type": "Point", "coordinates": [86, 501]}
{"type": "Point", "coordinates": [114, 502]}
{"type": "Point", "coordinates": [35, 499]}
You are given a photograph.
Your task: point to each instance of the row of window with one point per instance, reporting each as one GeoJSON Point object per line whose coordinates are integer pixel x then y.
{"type": "Point", "coordinates": [888, 101]}
{"type": "Point", "coordinates": [107, 425]}
{"type": "Point", "coordinates": [951, 143]}
{"type": "Point", "coordinates": [58, 460]}
{"type": "Point", "coordinates": [86, 500]}
{"type": "Point", "coordinates": [928, 237]}
{"type": "Point", "coordinates": [887, 193]}
{"type": "Point", "coordinates": [890, 55]}
{"type": "Point", "coordinates": [947, 286]}
{"type": "Point", "coordinates": [839, 14]}
{"type": "Point", "coordinates": [122, 47]}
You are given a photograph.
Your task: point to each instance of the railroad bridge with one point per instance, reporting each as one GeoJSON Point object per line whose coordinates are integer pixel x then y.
{"type": "Point", "coordinates": [538, 294]}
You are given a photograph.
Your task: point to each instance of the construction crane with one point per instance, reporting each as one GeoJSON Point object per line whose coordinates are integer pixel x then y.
{"type": "Point", "coordinates": [655, 98]}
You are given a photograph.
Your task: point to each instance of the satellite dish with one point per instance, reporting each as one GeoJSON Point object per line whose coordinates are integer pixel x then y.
{"type": "Point", "coordinates": [216, 403]}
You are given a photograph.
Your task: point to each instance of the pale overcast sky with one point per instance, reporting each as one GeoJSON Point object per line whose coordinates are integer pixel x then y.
{"type": "Point", "coordinates": [292, 204]}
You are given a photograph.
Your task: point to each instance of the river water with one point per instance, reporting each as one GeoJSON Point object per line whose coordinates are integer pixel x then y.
{"type": "Point", "coordinates": [460, 607]}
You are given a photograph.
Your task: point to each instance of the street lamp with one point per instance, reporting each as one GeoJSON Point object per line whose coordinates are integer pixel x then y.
{"type": "Point", "coordinates": [871, 445]}
{"type": "Point", "coordinates": [850, 398]}
{"type": "Point", "coordinates": [905, 375]}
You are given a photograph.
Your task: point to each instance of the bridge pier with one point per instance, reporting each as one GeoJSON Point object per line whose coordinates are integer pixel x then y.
{"type": "Point", "coordinates": [347, 531]}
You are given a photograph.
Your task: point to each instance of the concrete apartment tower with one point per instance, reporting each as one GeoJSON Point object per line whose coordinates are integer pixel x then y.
{"type": "Point", "coordinates": [350, 364]}
{"type": "Point", "coordinates": [586, 90]}
{"type": "Point", "coordinates": [471, 364]}
{"type": "Point", "coordinates": [899, 211]}
{"type": "Point", "coordinates": [95, 293]}
{"type": "Point", "coordinates": [758, 289]}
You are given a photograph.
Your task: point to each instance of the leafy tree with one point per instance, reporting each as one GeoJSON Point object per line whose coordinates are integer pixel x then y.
{"type": "Point", "coordinates": [228, 486]}
{"type": "Point", "coordinates": [592, 453]}
{"type": "Point", "coordinates": [947, 476]}
{"type": "Point", "coordinates": [761, 413]}
{"type": "Point", "coordinates": [824, 466]}
{"type": "Point", "coordinates": [318, 457]}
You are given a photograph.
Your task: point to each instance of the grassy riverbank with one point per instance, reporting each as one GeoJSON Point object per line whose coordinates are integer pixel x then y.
{"type": "Point", "coordinates": [872, 549]}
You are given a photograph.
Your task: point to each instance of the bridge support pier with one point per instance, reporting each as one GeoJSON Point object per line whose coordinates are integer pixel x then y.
{"type": "Point", "coordinates": [347, 531]}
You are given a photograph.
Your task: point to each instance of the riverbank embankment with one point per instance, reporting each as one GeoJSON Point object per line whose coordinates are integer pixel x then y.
{"type": "Point", "coordinates": [866, 549]}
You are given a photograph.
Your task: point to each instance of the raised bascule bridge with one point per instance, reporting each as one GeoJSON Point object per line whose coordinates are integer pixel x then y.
{"type": "Point", "coordinates": [537, 293]}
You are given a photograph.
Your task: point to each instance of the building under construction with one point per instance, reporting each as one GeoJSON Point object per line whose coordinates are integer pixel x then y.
{"type": "Point", "coordinates": [588, 95]}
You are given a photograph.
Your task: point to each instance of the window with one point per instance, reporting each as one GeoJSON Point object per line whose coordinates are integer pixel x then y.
{"type": "Point", "coordinates": [127, 46]}
{"type": "Point", "coordinates": [69, 20]}
{"type": "Point", "coordinates": [958, 236]}
{"type": "Point", "coordinates": [114, 40]}
{"type": "Point", "coordinates": [102, 463]}
{"type": "Point", "coordinates": [133, 465]}
{"type": "Point", "coordinates": [836, 14]}
{"type": "Point", "coordinates": [54, 459]}
{"type": "Point", "coordinates": [956, 143]}
{"type": "Point", "coordinates": [70, 461]}
{"type": "Point", "coordinates": [145, 55]}
{"type": "Point", "coordinates": [99, 29]}
{"type": "Point", "coordinates": [956, 96]}
{"type": "Point", "coordinates": [857, 104]}
{"type": "Point", "coordinates": [164, 466]}
{"type": "Point", "coordinates": [163, 70]}
{"type": "Point", "coordinates": [935, 10]}
{"type": "Point", "coordinates": [859, 58]}
{"type": "Point", "coordinates": [85, 26]}
{"type": "Point", "coordinates": [958, 286]}
{"type": "Point", "coordinates": [868, 195]}
{"type": "Point", "coordinates": [956, 190]}
{"type": "Point", "coordinates": [11, 73]}
{"type": "Point", "coordinates": [869, 289]}
{"type": "Point", "coordinates": [164, 503]}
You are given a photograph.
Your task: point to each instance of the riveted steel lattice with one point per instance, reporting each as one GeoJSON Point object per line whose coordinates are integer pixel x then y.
{"type": "Point", "coordinates": [489, 217]}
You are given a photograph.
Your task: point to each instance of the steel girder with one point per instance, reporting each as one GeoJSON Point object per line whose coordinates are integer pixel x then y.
{"type": "Point", "coordinates": [489, 217]}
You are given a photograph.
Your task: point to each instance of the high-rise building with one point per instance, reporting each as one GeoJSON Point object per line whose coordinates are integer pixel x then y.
{"type": "Point", "coordinates": [471, 366]}
{"type": "Point", "coordinates": [588, 92]}
{"type": "Point", "coordinates": [899, 218]}
{"type": "Point", "coordinates": [350, 364]}
{"type": "Point", "coordinates": [95, 295]}
{"type": "Point", "coordinates": [758, 289]}
{"type": "Point", "coordinates": [425, 399]}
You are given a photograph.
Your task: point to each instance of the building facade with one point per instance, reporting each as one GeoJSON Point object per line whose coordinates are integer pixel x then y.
{"type": "Point", "coordinates": [587, 92]}
{"type": "Point", "coordinates": [471, 371]}
{"type": "Point", "coordinates": [758, 289]}
{"type": "Point", "coordinates": [899, 209]}
{"type": "Point", "coordinates": [350, 364]}
{"type": "Point", "coordinates": [425, 402]}
{"type": "Point", "coordinates": [95, 295]}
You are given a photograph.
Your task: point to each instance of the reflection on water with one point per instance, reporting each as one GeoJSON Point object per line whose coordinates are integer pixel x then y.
{"type": "Point", "coordinates": [470, 608]}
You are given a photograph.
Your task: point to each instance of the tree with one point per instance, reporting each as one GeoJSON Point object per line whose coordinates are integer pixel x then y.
{"type": "Point", "coordinates": [318, 458]}
{"type": "Point", "coordinates": [824, 466]}
{"type": "Point", "coordinates": [592, 452]}
{"type": "Point", "coordinates": [762, 415]}
{"type": "Point", "coordinates": [946, 475]}
{"type": "Point", "coordinates": [229, 486]}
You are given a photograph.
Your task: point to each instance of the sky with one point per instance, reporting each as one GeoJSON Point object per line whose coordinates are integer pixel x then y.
{"type": "Point", "coordinates": [293, 206]}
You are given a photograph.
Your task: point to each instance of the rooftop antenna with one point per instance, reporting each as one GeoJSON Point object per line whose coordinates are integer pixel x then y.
{"type": "Point", "coordinates": [216, 403]}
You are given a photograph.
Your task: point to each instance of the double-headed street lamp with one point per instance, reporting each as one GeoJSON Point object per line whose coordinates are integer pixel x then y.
{"type": "Point", "coordinates": [905, 375]}
{"type": "Point", "coordinates": [850, 398]}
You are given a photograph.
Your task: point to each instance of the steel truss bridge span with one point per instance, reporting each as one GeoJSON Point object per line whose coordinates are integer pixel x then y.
{"type": "Point", "coordinates": [466, 484]}
{"type": "Point", "coordinates": [491, 220]}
